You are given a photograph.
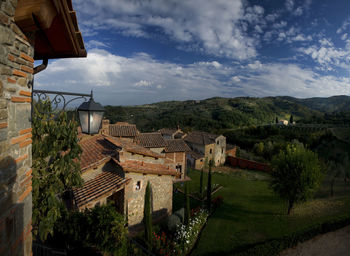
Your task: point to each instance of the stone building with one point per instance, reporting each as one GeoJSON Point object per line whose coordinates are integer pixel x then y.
{"type": "Point", "coordinates": [175, 150]}
{"type": "Point", "coordinates": [29, 30]}
{"type": "Point", "coordinates": [118, 170]}
{"type": "Point", "coordinates": [205, 146]}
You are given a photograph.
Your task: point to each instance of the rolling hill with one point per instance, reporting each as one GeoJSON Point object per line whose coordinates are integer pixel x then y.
{"type": "Point", "coordinates": [226, 113]}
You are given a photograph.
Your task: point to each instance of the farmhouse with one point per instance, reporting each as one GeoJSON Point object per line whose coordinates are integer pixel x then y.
{"type": "Point", "coordinates": [118, 170]}
{"type": "Point", "coordinates": [205, 146]}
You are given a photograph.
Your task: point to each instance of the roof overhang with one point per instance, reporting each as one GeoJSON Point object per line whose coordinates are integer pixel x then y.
{"type": "Point", "coordinates": [54, 24]}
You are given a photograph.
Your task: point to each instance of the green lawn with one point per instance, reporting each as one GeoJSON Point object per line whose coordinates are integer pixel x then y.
{"type": "Point", "coordinates": [252, 213]}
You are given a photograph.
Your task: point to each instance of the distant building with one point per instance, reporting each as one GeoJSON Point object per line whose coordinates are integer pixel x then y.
{"type": "Point", "coordinates": [206, 146]}
{"type": "Point", "coordinates": [283, 122]}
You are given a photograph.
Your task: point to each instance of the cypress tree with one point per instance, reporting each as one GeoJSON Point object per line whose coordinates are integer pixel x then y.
{"type": "Point", "coordinates": [276, 120]}
{"type": "Point", "coordinates": [201, 183]}
{"type": "Point", "coordinates": [201, 177]}
{"type": "Point", "coordinates": [291, 119]}
{"type": "Point", "coordinates": [209, 186]}
{"type": "Point", "coordinates": [147, 215]}
{"type": "Point", "coordinates": [187, 206]}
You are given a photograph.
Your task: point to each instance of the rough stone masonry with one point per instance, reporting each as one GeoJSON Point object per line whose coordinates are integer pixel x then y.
{"type": "Point", "coordinates": [16, 78]}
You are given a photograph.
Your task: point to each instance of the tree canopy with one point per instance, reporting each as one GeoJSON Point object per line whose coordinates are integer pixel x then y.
{"type": "Point", "coordinates": [297, 173]}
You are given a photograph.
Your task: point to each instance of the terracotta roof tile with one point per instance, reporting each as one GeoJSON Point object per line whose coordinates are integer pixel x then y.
{"type": "Point", "coordinates": [196, 155]}
{"type": "Point", "coordinates": [150, 140]}
{"type": "Point", "coordinates": [123, 129]}
{"type": "Point", "coordinates": [201, 138]}
{"type": "Point", "coordinates": [132, 147]}
{"type": "Point", "coordinates": [176, 145]}
{"type": "Point", "coordinates": [95, 151]}
{"type": "Point", "coordinates": [95, 188]}
{"type": "Point", "coordinates": [148, 168]}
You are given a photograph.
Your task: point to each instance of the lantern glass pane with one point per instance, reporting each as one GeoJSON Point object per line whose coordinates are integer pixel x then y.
{"type": "Point", "coordinates": [84, 122]}
{"type": "Point", "coordinates": [95, 121]}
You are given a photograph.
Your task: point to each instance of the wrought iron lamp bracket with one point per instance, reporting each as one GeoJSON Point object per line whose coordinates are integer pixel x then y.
{"type": "Point", "coordinates": [58, 99]}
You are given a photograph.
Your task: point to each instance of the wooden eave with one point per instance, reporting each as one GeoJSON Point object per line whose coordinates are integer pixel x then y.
{"type": "Point", "coordinates": [55, 27]}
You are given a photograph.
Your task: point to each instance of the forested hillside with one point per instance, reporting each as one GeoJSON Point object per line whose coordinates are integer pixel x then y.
{"type": "Point", "coordinates": [228, 113]}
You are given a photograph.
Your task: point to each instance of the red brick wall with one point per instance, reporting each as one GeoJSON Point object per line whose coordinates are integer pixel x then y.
{"type": "Point", "coordinates": [247, 164]}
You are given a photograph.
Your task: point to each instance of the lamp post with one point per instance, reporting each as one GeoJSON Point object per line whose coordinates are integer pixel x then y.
{"type": "Point", "coordinates": [90, 116]}
{"type": "Point", "coordinates": [90, 112]}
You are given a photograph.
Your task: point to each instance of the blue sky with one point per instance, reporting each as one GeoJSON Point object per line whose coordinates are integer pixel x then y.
{"type": "Point", "coordinates": [148, 51]}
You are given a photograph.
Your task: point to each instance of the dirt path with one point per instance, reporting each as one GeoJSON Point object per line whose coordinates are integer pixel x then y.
{"type": "Point", "coordinates": [335, 243]}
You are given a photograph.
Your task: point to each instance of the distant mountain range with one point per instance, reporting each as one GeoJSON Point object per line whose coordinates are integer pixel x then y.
{"type": "Point", "coordinates": [227, 113]}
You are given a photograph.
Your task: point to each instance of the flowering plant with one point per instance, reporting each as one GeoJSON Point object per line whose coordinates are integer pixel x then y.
{"type": "Point", "coordinates": [186, 235]}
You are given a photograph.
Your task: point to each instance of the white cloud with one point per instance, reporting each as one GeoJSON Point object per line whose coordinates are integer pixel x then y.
{"type": "Point", "coordinates": [214, 26]}
{"type": "Point", "coordinates": [326, 55]}
{"type": "Point", "coordinates": [297, 10]}
{"type": "Point", "coordinates": [96, 44]}
{"type": "Point", "coordinates": [289, 5]}
{"type": "Point", "coordinates": [143, 83]}
{"type": "Point", "coordinates": [344, 26]}
{"type": "Point", "coordinates": [141, 79]}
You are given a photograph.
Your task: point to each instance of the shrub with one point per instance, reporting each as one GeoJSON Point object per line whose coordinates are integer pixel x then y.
{"type": "Point", "coordinates": [172, 222]}
{"type": "Point", "coordinates": [101, 227]}
{"type": "Point", "coordinates": [181, 214]}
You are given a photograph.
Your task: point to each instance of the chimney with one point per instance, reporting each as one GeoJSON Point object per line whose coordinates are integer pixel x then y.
{"type": "Point", "coordinates": [105, 126]}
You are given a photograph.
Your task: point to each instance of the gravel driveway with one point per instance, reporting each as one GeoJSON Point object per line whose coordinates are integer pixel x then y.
{"type": "Point", "coordinates": [336, 243]}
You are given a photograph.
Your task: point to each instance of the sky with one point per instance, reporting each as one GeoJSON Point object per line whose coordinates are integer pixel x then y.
{"type": "Point", "coordinates": [146, 51]}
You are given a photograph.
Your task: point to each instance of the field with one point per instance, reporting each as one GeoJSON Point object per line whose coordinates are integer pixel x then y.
{"type": "Point", "coordinates": [252, 213]}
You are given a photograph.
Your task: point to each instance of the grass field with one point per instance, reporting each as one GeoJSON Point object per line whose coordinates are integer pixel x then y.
{"type": "Point", "coordinates": [252, 213]}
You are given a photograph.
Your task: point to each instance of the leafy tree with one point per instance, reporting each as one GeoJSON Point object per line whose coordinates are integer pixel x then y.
{"type": "Point", "coordinates": [187, 206]}
{"type": "Point", "coordinates": [209, 186]}
{"type": "Point", "coordinates": [147, 215]}
{"type": "Point", "coordinates": [296, 175]}
{"type": "Point", "coordinates": [259, 148]}
{"type": "Point", "coordinates": [56, 166]}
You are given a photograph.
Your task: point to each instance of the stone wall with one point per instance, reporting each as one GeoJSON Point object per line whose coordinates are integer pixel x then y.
{"type": "Point", "coordinates": [16, 78]}
{"type": "Point", "coordinates": [162, 196]}
{"type": "Point", "coordinates": [179, 158]}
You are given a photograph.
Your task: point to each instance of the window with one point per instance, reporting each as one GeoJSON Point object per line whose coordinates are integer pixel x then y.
{"type": "Point", "coordinates": [218, 142]}
{"type": "Point", "coordinates": [138, 185]}
{"type": "Point", "coordinates": [210, 151]}
{"type": "Point", "coordinates": [201, 160]}
{"type": "Point", "coordinates": [178, 168]}
{"type": "Point", "coordinates": [222, 150]}
{"type": "Point", "coordinates": [97, 204]}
